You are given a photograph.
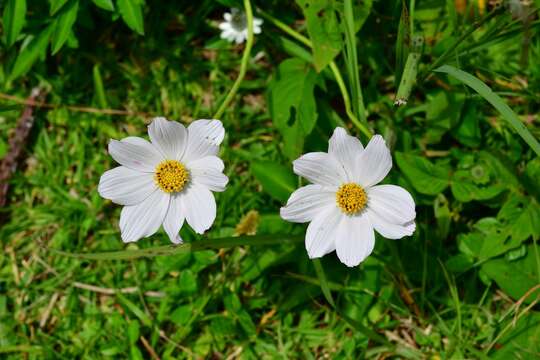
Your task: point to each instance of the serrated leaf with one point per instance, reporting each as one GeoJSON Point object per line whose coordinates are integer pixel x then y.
{"type": "Point", "coordinates": [31, 53]}
{"type": "Point", "coordinates": [424, 176]}
{"type": "Point", "coordinates": [323, 29]}
{"type": "Point", "coordinates": [131, 12]}
{"type": "Point", "coordinates": [104, 4]}
{"type": "Point", "coordinates": [515, 278]}
{"type": "Point", "coordinates": [14, 19]}
{"type": "Point", "coordinates": [63, 25]}
{"type": "Point", "coordinates": [56, 5]}
{"type": "Point", "coordinates": [292, 103]}
{"type": "Point", "coordinates": [277, 180]}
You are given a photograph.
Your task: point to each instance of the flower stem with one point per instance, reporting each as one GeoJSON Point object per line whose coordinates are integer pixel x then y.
{"type": "Point", "coordinates": [335, 70]}
{"type": "Point", "coordinates": [243, 64]}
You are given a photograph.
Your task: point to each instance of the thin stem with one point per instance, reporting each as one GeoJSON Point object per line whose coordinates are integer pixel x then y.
{"type": "Point", "coordinates": [347, 101]}
{"type": "Point", "coordinates": [244, 63]}
{"type": "Point", "coordinates": [335, 70]}
{"type": "Point", "coordinates": [454, 46]}
{"type": "Point", "coordinates": [183, 248]}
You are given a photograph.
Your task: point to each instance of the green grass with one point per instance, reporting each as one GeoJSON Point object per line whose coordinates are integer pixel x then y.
{"type": "Point", "coordinates": [462, 287]}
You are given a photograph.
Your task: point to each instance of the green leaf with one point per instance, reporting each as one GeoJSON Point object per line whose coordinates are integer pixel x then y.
{"type": "Point", "coordinates": [14, 19]}
{"type": "Point", "coordinates": [483, 90]}
{"type": "Point", "coordinates": [424, 176]}
{"type": "Point", "coordinates": [28, 55]}
{"type": "Point", "coordinates": [104, 4]}
{"type": "Point", "coordinates": [517, 277]}
{"type": "Point", "coordinates": [277, 180]}
{"type": "Point", "coordinates": [56, 5]}
{"type": "Point", "coordinates": [323, 29]}
{"type": "Point", "coordinates": [292, 103]}
{"type": "Point", "coordinates": [131, 13]}
{"type": "Point", "coordinates": [63, 24]}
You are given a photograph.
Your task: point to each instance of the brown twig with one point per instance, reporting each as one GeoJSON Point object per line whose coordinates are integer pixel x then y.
{"type": "Point", "coordinates": [87, 109]}
{"type": "Point", "coordinates": [9, 163]}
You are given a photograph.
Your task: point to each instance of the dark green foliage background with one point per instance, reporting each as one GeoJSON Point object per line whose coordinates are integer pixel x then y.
{"type": "Point", "coordinates": [449, 291]}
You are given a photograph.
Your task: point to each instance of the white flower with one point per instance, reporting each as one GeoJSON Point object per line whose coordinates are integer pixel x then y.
{"type": "Point", "coordinates": [234, 28]}
{"type": "Point", "coordinates": [344, 204]}
{"type": "Point", "coordinates": [166, 180]}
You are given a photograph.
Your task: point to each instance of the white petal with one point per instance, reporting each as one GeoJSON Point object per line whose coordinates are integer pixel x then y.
{"type": "Point", "coordinates": [388, 229]}
{"type": "Point", "coordinates": [174, 219]}
{"type": "Point", "coordinates": [374, 163]}
{"type": "Point", "coordinates": [204, 137]}
{"type": "Point", "coordinates": [224, 26]}
{"type": "Point", "coordinates": [355, 239]}
{"type": "Point", "coordinates": [346, 149]}
{"type": "Point", "coordinates": [257, 21]}
{"type": "Point", "coordinates": [240, 37]}
{"type": "Point", "coordinates": [210, 129]}
{"type": "Point", "coordinates": [392, 203]}
{"type": "Point", "coordinates": [227, 16]}
{"type": "Point", "coordinates": [135, 153]}
{"type": "Point", "coordinates": [169, 137]}
{"type": "Point", "coordinates": [306, 202]}
{"type": "Point", "coordinates": [200, 207]}
{"type": "Point", "coordinates": [213, 180]}
{"type": "Point", "coordinates": [321, 232]}
{"type": "Point", "coordinates": [125, 186]}
{"type": "Point", "coordinates": [145, 218]}
{"type": "Point", "coordinates": [207, 162]}
{"type": "Point", "coordinates": [256, 29]}
{"type": "Point", "coordinates": [320, 168]}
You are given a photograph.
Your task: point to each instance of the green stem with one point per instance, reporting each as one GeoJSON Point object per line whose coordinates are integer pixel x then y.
{"type": "Point", "coordinates": [168, 250]}
{"type": "Point", "coordinates": [335, 70]}
{"type": "Point", "coordinates": [243, 65]}
{"type": "Point", "coordinates": [454, 46]}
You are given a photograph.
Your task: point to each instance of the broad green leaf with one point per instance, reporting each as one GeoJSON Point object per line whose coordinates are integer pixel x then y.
{"type": "Point", "coordinates": [31, 53]}
{"type": "Point", "coordinates": [426, 177]}
{"type": "Point", "coordinates": [63, 24]}
{"type": "Point", "coordinates": [104, 4]}
{"type": "Point", "coordinates": [277, 180]}
{"type": "Point", "coordinates": [292, 103]}
{"type": "Point", "coordinates": [516, 277]}
{"type": "Point", "coordinates": [323, 29]}
{"type": "Point", "coordinates": [131, 12]}
{"type": "Point", "coordinates": [495, 100]}
{"type": "Point", "coordinates": [442, 113]}
{"type": "Point", "coordinates": [14, 19]}
{"type": "Point", "coordinates": [465, 190]}
{"type": "Point", "coordinates": [56, 5]}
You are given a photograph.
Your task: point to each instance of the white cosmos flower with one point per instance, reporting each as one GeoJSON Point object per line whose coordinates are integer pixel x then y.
{"type": "Point", "coordinates": [344, 205]}
{"type": "Point", "coordinates": [167, 180]}
{"type": "Point", "coordinates": [234, 28]}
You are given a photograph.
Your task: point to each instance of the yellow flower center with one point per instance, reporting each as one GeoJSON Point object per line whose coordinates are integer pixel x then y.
{"type": "Point", "coordinates": [351, 198]}
{"type": "Point", "coordinates": [171, 176]}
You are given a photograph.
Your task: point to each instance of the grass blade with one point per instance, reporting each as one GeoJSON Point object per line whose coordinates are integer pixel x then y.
{"type": "Point", "coordinates": [168, 250]}
{"type": "Point", "coordinates": [324, 282]}
{"type": "Point", "coordinates": [14, 19]}
{"type": "Point", "coordinates": [498, 103]}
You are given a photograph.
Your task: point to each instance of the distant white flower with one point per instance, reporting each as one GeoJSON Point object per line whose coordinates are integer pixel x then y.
{"type": "Point", "coordinates": [166, 180]}
{"type": "Point", "coordinates": [234, 28]}
{"type": "Point", "coordinates": [344, 205]}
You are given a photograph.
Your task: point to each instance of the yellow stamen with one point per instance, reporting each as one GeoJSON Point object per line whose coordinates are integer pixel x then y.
{"type": "Point", "coordinates": [351, 198]}
{"type": "Point", "coordinates": [171, 176]}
